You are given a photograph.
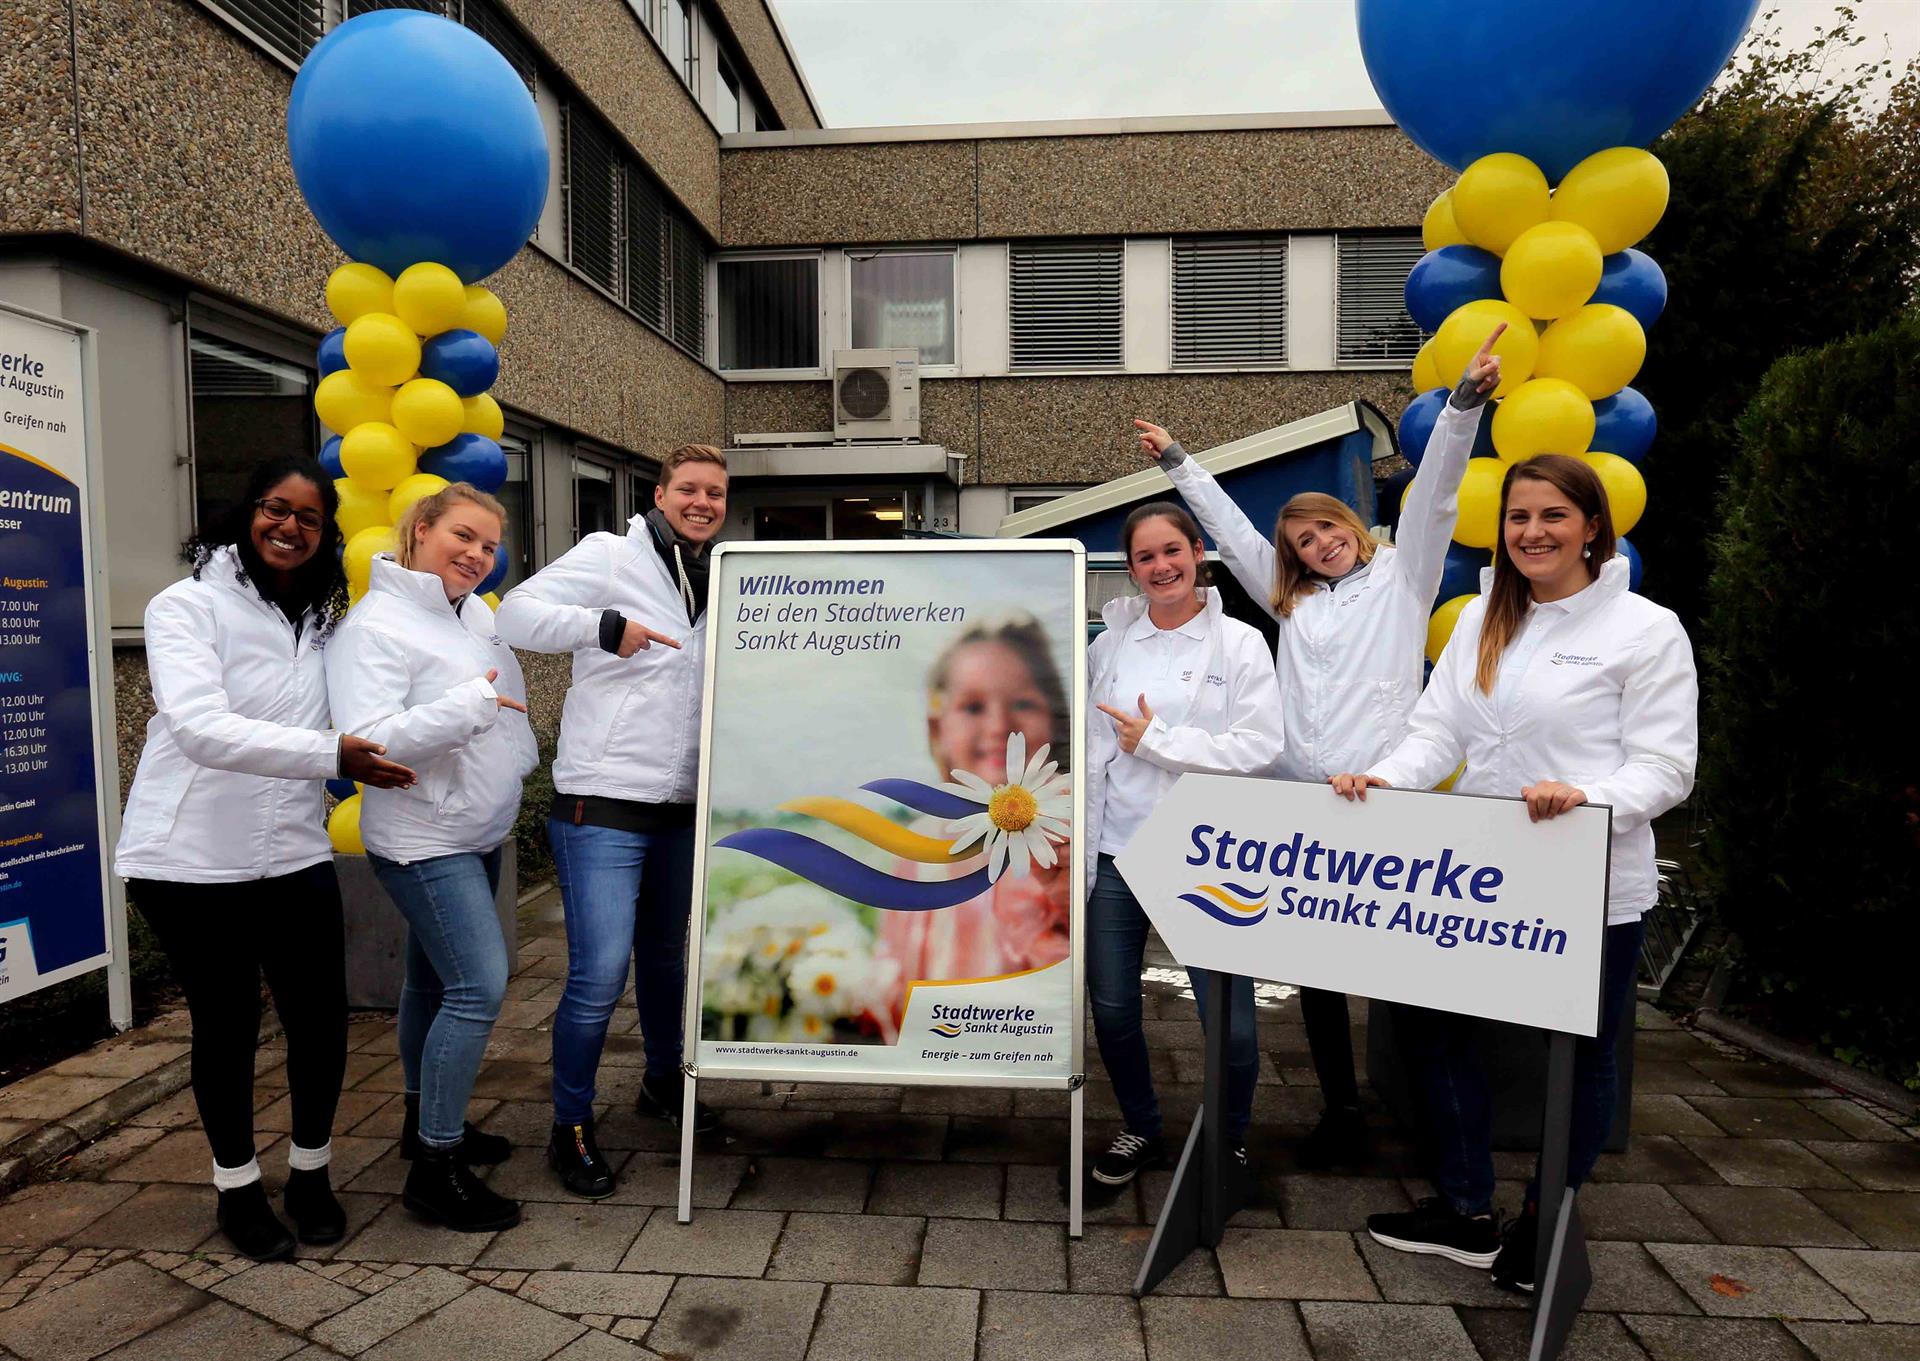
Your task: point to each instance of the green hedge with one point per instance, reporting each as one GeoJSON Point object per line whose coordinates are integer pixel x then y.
{"type": "Point", "coordinates": [1810, 767]}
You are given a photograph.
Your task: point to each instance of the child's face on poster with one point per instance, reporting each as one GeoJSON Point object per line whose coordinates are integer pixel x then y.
{"type": "Point", "coordinates": [990, 693]}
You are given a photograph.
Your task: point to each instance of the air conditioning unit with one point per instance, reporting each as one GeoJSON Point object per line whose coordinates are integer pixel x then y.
{"type": "Point", "coordinates": [876, 394]}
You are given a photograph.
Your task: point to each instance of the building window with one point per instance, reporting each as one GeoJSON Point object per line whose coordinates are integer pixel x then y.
{"type": "Point", "coordinates": [592, 498]}
{"type": "Point", "coordinates": [1230, 301]}
{"type": "Point", "coordinates": [904, 300]}
{"type": "Point", "coordinates": [683, 41]}
{"type": "Point", "coordinates": [1032, 500]}
{"type": "Point", "coordinates": [646, 249]}
{"type": "Point", "coordinates": [244, 403]}
{"type": "Point", "coordinates": [1371, 305]}
{"type": "Point", "coordinates": [591, 187]}
{"type": "Point", "coordinates": [727, 98]}
{"type": "Point", "coordinates": [482, 16]}
{"type": "Point", "coordinates": [289, 28]}
{"type": "Point", "coordinates": [688, 287]}
{"type": "Point", "coordinates": [516, 494]}
{"type": "Point", "coordinates": [1064, 305]}
{"type": "Point", "coordinates": [769, 313]}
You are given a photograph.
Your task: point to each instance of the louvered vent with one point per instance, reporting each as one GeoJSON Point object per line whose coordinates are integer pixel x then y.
{"type": "Point", "coordinates": [1374, 327]}
{"type": "Point", "coordinates": [1230, 301]}
{"type": "Point", "coordinates": [289, 27]}
{"type": "Point", "coordinates": [592, 189]}
{"type": "Point", "coordinates": [1064, 305]}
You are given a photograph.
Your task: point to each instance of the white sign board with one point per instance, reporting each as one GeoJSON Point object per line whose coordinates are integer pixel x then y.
{"type": "Point", "coordinates": [1453, 902]}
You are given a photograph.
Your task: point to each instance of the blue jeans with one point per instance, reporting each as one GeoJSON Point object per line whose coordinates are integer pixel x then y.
{"type": "Point", "coordinates": [1117, 929]}
{"type": "Point", "coordinates": [627, 895]}
{"type": "Point", "coordinates": [1443, 1051]}
{"type": "Point", "coordinates": [456, 980]}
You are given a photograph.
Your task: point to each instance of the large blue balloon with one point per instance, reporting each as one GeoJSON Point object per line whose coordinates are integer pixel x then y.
{"type": "Point", "coordinates": [499, 572]}
{"type": "Point", "coordinates": [1445, 278]}
{"type": "Point", "coordinates": [464, 360]}
{"type": "Point", "coordinates": [413, 139]}
{"type": "Point", "coordinates": [1554, 82]}
{"type": "Point", "coordinates": [332, 354]}
{"type": "Point", "coordinates": [1634, 280]}
{"type": "Point", "coordinates": [342, 789]}
{"type": "Point", "coordinates": [330, 458]}
{"type": "Point", "coordinates": [1461, 575]}
{"type": "Point", "coordinates": [468, 458]}
{"type": "Point", "coordinates": [1416, 424]}
{"type": "Point", "coordinates": [1624, 424]}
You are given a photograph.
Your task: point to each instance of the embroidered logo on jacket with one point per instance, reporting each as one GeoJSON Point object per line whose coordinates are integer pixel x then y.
{"type": "Point", "coordinates": [1575, 659]}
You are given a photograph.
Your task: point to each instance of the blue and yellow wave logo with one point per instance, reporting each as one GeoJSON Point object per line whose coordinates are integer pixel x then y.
{"type": "Point", "coordinates": [1233, 904]}
{"type": "Point", "coordinates": [946, 1028]}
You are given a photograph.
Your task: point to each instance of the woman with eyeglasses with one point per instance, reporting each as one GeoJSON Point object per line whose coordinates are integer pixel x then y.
{"type": "Point", "coordinates": [223, 844]}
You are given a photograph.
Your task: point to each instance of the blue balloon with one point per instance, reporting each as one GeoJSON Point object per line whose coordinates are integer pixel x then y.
{"type": "Point", "coordinates": [1624, 424]}
{"type": "Point", "coordinates": [1445, 278]}
{"type": "Point", "coordinates": [341, 789]}
{"type": "Point", "coordinates": [1483, 437]}
{"type": "Point", "coordinates": [1387, 501]}
{"type": "Point", "coordinates": [1416, 424]}
{"type": "Point", "coordinates": [332, 355]}
{"type": "Point", "coordinates": [1554, 83]}
{"type": "Point", "coordinates": [330, 458]}
{"type": "Point", "coordinates": [499, 572]}
{"type": "Point", "coordinates": [1634, 280]}
{"type": "Point", "coordinates": [467, 458]}
{"type": "Point", "coordinates": [1635, 568]}
{"type": "Point", "coordinates": [1461, 575]}
{"type": "Point", "coordinates": [464, 360]}
{"type": "Point", "coordinates": [413, 139]}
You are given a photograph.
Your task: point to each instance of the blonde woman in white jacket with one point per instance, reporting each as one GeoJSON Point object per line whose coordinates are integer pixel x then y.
{"type": "Point", "coordinates": [1561, 687]}
{"type": "Point", "coordinates": [1182, 687]}
{"type": "Point", "coordinates": [1352, 616]}
{"type": "Point", "coordinates": [418, 666]}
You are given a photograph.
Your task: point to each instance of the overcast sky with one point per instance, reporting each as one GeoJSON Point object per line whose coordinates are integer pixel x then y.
{"type": "Point", "coordinates": [876, 62]}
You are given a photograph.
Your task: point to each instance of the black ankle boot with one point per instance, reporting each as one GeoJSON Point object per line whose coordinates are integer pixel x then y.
{"type": "Point", "coordinates": [251, 1225]}
{"type": "Point", "coordinates": [310, 1203]}
{"type": "Point", "coordinates": [477, 1147]}
{"type": "Point", "coordinates": [572, 1152]}
{"type": "Point", "coordinates": [441, 1187]}
{"type": "Point", "coordinates": [1340, 1139]}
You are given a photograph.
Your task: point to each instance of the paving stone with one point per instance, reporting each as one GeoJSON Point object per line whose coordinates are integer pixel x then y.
{"type": "Point", "coordinates": [803, 1184]}
{"type": "Point", "coordinates": [574, 1237]}
{"type": "Point", "coordinates": [396, 1234]}
{"type": "Point", "coordinates": [53, 1095]}
{"type": "Point", "coordinates": [943, 1190]}
{"type": "Point", "coordinates": [1679, 1079]}
{"type": "Point", "coordinates": [1044, 1142]}
{"type": "Point", "coordinates": [980, 1101]}
{"type": "Point", "coordinates": [1106, 1261]}
{"type": "Point", "coordinates": [597, 1346]}
{"type": "Point", "coordinates": [1672, 1046]}
{"type": "Point", "coordinates": [1758, 1077]}
{"type": "Point", "coordinates": [654, 1179]}
{"type": "Point", "coordinates": [1855, 1119]}
{"type": "Point", "coordinates": [1775, 1282]}
{"type": "Point", "coordinates": [1884, 1284]}
{"type": "Point", "coordinates": [182, 1155]}
{"type": "Point", "coordinates": [920, 1323]}
{"type": "Point", "coordinates": [1637, 1212]}
{"type": "Point", "coordinates": [481, 1323]}
{"type": "Point", "coordinates": [1657, 1159]}
{"type": "Point", "coordinates": [1878, 1167]}
{"type": "Point", "coordinates": [994, 1254]}
{"type": "Point", "coordinates": [872, 1136]}
{"type": "Point", "coordinates": [1296, 1264]}
{"type": "Point", "coordinates": [1023, 1326]}
{"type": "Point", "coordinates": [621, 1294]}
{"type": "Point", "coordinates": [1417, 1278]}
{"type": "Point", "coordinates": [386, 1175]}
{"type": "Point", "coordinates": [1765, 1215]}
{"type": "Point", "coordinates": [288, 1294]}
{"type": "Point", "coordinates": [1713, 1339]}
{"type": "Point", "coordinates": [1320, 1201]}
{"type": "Point", "coordinates": [1506, 1335]}
{"type": "Point", "coordinates": [781, 1133]}
{"type": "Point", "coordinates": [166, 1216]}
{"type": "Point", "coordinates": [716, 1243]}
{"type": "Point", "coordinates": [353, 1330]}
{"type": "Point", "coordinates": [1035, 1193]}
{"type": "Point", "coordinates": [177, 1110]}
{"type": "Point", "coordinates": [525, 1124]}
{"type": "Point", "coordinates": [96, 1314]}
{"type": "Point", "coordinates": [1626, 1279]}
{"type": "Point", "coordinates": [865, 1249]}
{"type": "Point", "coordinates": [218, 1330]}
{"type": "Point", "coordinates": [1222, 1330]}
{"type": "Point", "coordinates": [1365, 1332]}
{"type": "Point", "coordinates": [732, 1320]}
{"type": "Point", "coordinates": [1664, 1113]}
{"type": "Point", "coordinates": [109, 1150]}
{"type": "Point", "coordinates": [42, 1215]}
{"type": "Point", "coordinates": [1886, 1219]}
{"type": "Point", "coordinates": [1858, 1341]}
{"type": "Point", "coordinates": [1767, 1162]}
{"type": "Point", "coordinates": [1756, 1117]}
{"type": "Point", "coordinates": [362, 1209]}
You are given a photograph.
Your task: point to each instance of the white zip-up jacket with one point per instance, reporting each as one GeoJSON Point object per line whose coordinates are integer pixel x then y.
{"type": "Point", "coordinates": [631, 726]}
{"type": "Point", "coordinates": [1597, 691]}
{"type": "Point", "coordinates": [1350, 655]}
{"type": "Point", "coordinates": [229, 786]}
{"type": "Point", "coordinates": [1230, 723]}
{"type": "Point", "coordinates": [409, 672]}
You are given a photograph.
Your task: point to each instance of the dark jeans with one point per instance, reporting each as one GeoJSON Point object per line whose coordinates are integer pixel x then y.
{"type": "Point", "coordinates": [1117, 929]}
{"type": "Point", "coordinates": [1443, 1052]}
{"type": "Point", "coordinates": [220, 939]}
{"type": "Point", "coordinates": [1330, 1039]}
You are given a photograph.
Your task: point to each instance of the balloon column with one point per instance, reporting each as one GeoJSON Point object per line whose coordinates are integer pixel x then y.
{"type": "Point", "coordinates": [421, 154]}
{"type": "Point", "coordinates": [1531, 104]}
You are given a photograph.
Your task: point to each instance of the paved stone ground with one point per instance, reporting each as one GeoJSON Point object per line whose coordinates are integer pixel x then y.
{"type": "Point", "coordinates": [1756, 1216]}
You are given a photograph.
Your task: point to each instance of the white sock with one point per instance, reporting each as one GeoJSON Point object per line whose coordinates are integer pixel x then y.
{"type": "Point", "coordinates": [309, 1159]}
{"type": "Point", "coordinates": [233, 1178]}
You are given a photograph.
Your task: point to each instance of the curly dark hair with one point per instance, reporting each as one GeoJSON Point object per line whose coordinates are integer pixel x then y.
{"type": "Point", "coordinates": [320, 584]}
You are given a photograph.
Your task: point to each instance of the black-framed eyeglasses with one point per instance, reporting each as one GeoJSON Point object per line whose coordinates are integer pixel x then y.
{"type": "Point", "coordinates": [279, 511]}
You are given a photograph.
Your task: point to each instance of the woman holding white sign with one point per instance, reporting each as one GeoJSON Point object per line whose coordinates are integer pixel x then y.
{"type": "Point", "coordinates": [1563, 688]}
{"type": "Point", "coordinates": [1352, 615]}
{"type": "Point", "coordinates": [1186, 688]}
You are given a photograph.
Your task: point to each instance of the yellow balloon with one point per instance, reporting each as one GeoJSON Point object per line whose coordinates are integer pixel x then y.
{"type": "Point", "coordinates": [1543, 416]}
{"type": "Point", "coordinates": [357, 558]}
{"type": "Point", "coordinates": [1441, 622]}
{"type": "Point", "coordinates": [361, 507]}
{"type": "Point", "coordinates": [1464, 331]}
{"type": "Point", "coordinates": [355, 290]}
{"type": "Point", "coordinates": [377, 456]}
{"type": "Point", "coordinates": [482, 416]}
{"type": "Point", "coordinates": [411, 489]}
{"type": "Point", "coordinates": [1497, 198]}
{"type": "Point", "coordinates": [1438, 227]}
{"type": "Point", "coordinates": [343, 827]}
{"type": "Point", "coordinates": [484, 313]}
{"type": "Point", "coordinates": [382, 349]}
{"type": "Point", "coordinates": [1426, 374]}
{"type": "Point", "coordinates": [1479, 522]}
{"type": "Point", "coordinates": [428, 412]}
{"type": "Point", "coordinates": [1617, 194]}
{"type": "Point", "coordinates": [1598, 349]}
{"type": "Point", "coordinates": [1452, 779]}
{"type": "Point", "coordinates": [430, 298]}
{"type": "Point", "coordinates": [1550, 269]}
{"type": "Point", "coordinates": [1626, 489]}
{"type": "Point", "coordinates": [493, 599]}
{"type": "Point", "coordinates": [344, 399]}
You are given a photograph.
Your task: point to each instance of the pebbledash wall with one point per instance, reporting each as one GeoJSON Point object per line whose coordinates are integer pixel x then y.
{"type": "Point", "coordinates": [145, 191]}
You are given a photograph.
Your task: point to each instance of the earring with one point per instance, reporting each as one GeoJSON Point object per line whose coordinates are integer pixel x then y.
{"type": "Point", "coordinates": [1587, 552]}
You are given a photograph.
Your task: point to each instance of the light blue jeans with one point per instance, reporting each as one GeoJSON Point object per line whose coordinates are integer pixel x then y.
{"type": "Point", "coordinates": [456, 980]}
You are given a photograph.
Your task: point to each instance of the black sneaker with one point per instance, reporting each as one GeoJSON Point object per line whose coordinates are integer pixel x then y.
{"type": "Point", "coordinates": [1513, 1268]}
{"type": "Point", "coordinates": [1435, 1228]}
{"type": "Point", "coordinates": [477, 1147]}
{"type": "Point", "coordinates": [1126, 1157]}
{"type": "Point", "coordinates": [1339, 1140]}
{"type": "Point", "coordinates": [313, 1207]}
{"type": "Point", "coordinates": [572, 1152]}
{"type": "Point", "coordinates": [441, 1187]}
{"type": "Point", "coordinates": [665, 1099]}
{"type": "Point", "coordinates": [250, 1224]}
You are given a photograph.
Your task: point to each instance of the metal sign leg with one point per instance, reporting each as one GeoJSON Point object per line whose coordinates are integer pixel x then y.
{"type": "Point", "coordinates": [689, 1084]}
{"type": "Point", "coordinates": [1076, 1158]}
{"type": "Point", "coordinates": [1562, 1272]}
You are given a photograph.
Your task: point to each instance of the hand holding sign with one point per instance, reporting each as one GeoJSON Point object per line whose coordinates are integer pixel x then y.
{"type": "Point", "coordinates": [1550, 798]}
{"type": "Point", "coordinates": [1351, 787]}
{"type": "Point", "coordinates": [1130, 726]}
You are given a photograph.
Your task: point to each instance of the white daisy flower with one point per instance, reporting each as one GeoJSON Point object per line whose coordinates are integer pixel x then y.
{"type": "Point", "coordinates": [1021, 819]}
